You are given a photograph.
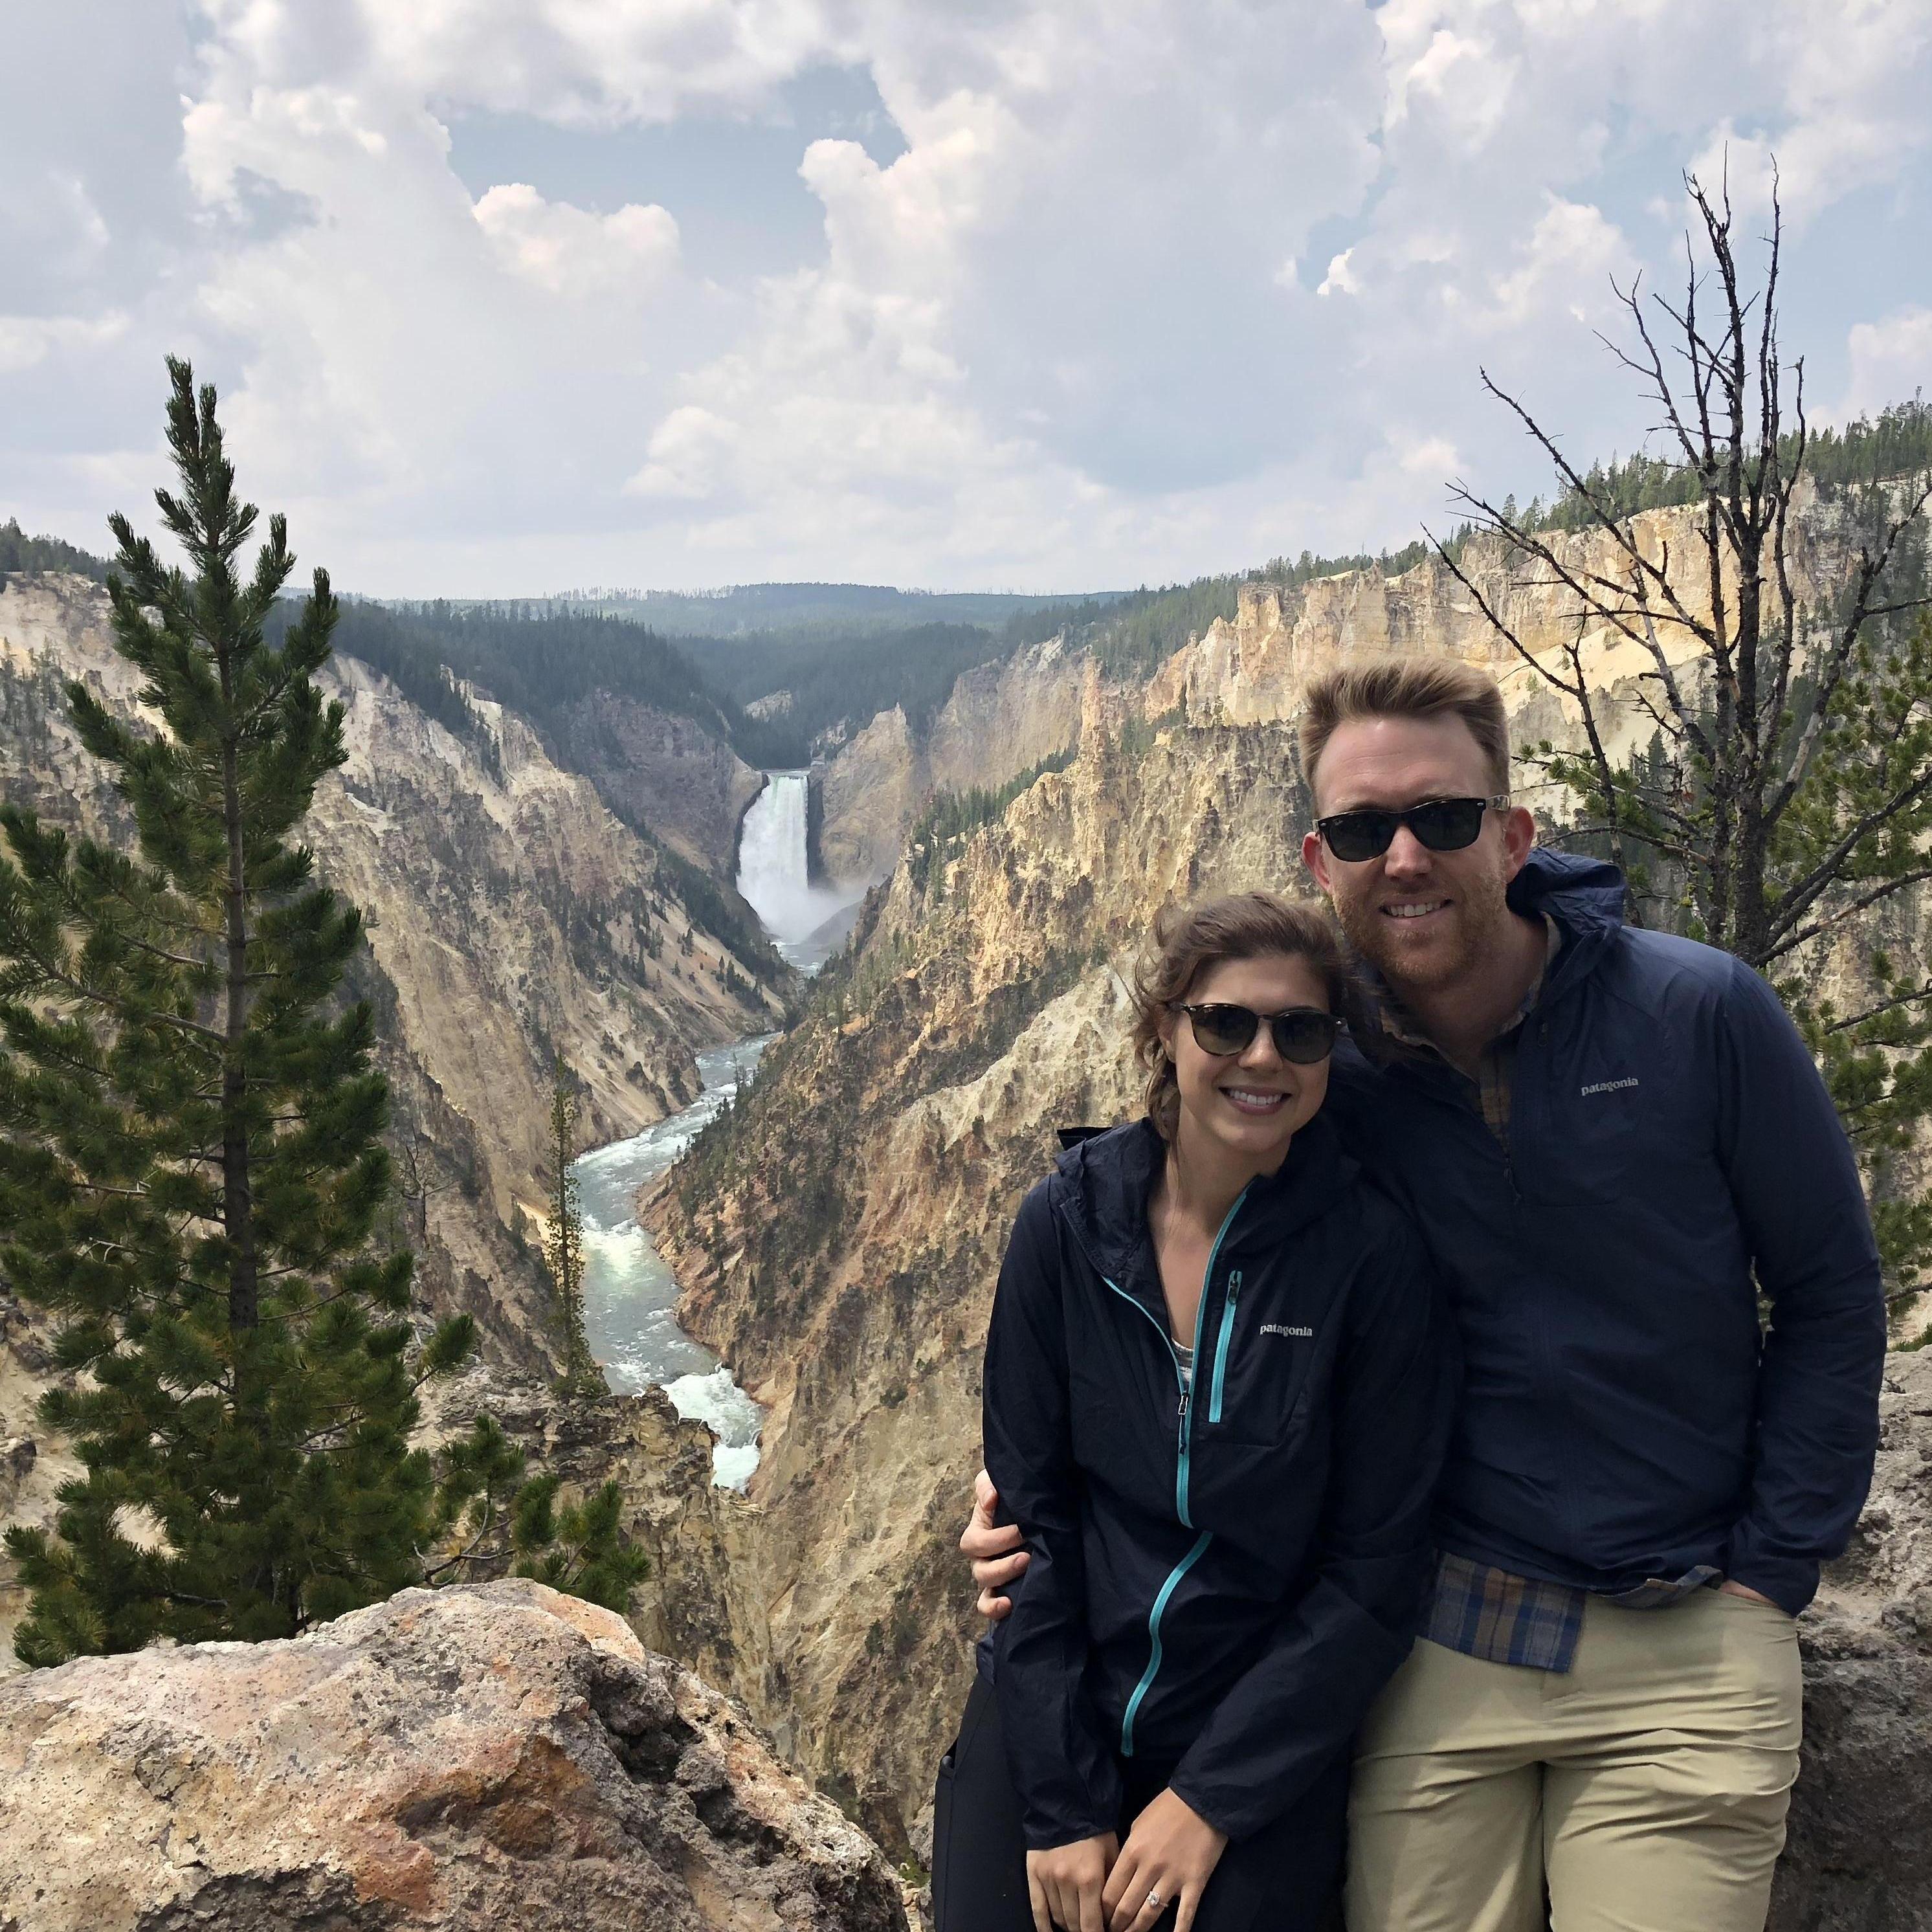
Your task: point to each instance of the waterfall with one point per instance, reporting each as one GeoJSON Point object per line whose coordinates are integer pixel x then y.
{"type": "Point", "coordinates": [805, 920]}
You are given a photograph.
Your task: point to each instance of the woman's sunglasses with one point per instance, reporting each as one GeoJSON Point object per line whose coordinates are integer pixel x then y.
{"type": "Point", "coordinates": [1303, 1034]}
{"type": "Point", "coordinates": [1440, 825]}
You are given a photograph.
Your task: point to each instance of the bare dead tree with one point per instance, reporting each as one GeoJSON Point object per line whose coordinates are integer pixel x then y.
{"type": "Point", "coordinates": [1787, 793]}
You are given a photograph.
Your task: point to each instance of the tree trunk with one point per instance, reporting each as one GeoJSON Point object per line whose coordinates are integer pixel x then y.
{"type": "Point", "coordinates": [237, 1206]}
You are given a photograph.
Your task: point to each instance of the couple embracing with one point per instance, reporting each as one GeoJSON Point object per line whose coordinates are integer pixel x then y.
{"type": "Point", "coordinates": [1395, 1494]}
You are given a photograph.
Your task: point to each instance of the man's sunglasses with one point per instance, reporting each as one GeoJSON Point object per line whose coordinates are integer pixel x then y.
{"type": "Point", "coordinates": [1303, 1034]}
{"type": "Point", "coordinates": [1440, 825]}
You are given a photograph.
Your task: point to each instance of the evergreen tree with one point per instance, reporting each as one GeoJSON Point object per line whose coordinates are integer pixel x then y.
{"type": "Point", "coordinates": [563, 1245]}
{"type": "Point", "coordinates": [191, 1163]}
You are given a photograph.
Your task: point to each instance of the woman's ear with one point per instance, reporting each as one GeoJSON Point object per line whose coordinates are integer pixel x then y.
{"type": "Point", "coordinates": [1164, 1027]}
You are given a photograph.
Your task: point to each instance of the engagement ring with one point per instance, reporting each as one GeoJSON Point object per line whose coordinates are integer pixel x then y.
{"type": "Point", "coordinates": [1154, 1901]}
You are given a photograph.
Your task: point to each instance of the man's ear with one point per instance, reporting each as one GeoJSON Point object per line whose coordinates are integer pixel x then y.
{"type": "Point", "coordinates": [1519, 837]}
{"type": "Point", "coordinates": [1314, 857]}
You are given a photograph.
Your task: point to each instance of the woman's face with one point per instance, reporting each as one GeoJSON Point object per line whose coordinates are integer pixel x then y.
{"type": "Point", "coordinates": [1246, 1106]}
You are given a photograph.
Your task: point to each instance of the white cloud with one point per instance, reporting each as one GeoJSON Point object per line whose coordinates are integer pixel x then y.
{"type": "Point", "coordinates": [1058, 341]}
{"type": "Point", "coordinates": [572, 251]}
{"type": "Point", "coordinates": [1340, 279]}
{"type": "Point", "coordinates": [1891, 361]}
{"type": "Point", "coordinates": [1566, 266]}
{"type": "Point", "coordinates": [27, 341]}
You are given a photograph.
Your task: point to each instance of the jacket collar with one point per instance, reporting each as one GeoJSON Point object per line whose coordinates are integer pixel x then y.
{"type": "Point", "coordinates": [1584, 896]}
{"type": "Point", "coordinates": [1101, 1187]}
{"type": "Point", "coordinates": [1581, 899]}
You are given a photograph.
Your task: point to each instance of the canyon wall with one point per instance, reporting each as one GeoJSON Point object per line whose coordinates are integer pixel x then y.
{"type": "Point", "coordinates": [663, 775]}
{"type": "Point", "coordinates": [998, 721]}
{"type": "Point", "coordinates": [508, 909]}
{"type": "Point", "coordinates": [838, 1237]}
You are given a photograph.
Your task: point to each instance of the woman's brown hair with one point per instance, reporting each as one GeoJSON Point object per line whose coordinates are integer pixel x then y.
{"type": "Point", "coordinates": [1188, 939]}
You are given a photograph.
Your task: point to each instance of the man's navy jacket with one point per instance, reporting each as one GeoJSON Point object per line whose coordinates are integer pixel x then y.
{"type": "Point", "coordinates": [1671, 1152]}
{"type": "Point", "coordinates": [1221, 1578]}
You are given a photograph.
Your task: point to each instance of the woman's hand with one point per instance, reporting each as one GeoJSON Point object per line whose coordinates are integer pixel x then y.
{"type": "Point", "coordinates": [998, 1557]}
{"type": "Point", "coordinates": [1063, 1885]}
{"type": "Point", "coordinates": [1170, 1855]}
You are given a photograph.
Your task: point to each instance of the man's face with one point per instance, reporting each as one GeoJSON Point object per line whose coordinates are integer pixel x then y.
{"type": "Point", "coordinates": [1425, 920]}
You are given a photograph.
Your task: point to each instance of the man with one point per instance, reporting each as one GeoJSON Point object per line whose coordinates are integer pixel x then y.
{"type": "Point", "coordinates": [1613, 1141]}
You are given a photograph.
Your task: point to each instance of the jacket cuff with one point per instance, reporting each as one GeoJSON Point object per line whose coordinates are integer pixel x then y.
{"type": "Point", "coordinates": [1051, 1837]}
{"type": "Point", "coordinates": [1231, 1821]}
{"type": "Point", "coordinates": [1790, 1582]}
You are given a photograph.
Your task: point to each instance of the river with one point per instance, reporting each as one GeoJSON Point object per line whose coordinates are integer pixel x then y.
{"type": "Point", "coordinates": [630, 1297]}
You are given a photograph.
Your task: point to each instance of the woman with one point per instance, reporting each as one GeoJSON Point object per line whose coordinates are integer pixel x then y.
{"type": "Point", "coordinates": [1217, 1392]}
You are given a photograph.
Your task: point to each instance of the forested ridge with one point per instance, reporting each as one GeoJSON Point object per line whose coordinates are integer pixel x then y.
{"type": "Point", "coordinates": [19, 551]}
{"type": "Point", "coordinates": [842, 653]}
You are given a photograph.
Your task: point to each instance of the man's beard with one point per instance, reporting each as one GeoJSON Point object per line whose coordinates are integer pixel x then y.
{"type": "Point", "coordinates": [1479, 919]}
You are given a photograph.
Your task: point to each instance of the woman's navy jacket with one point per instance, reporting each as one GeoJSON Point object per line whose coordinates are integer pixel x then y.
{"type": "Point", "coordinates": [1221, 1583]}
{"type": "Point", "coordinates": [1671, 1152]}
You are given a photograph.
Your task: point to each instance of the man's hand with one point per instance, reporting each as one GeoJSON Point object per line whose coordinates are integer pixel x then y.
{"type": "Point", "coordinates": [1169, 1856]}
{"type": "Point", "coordinates": [1726, 1588]}
{"type": "Point", "coordinates": [1063, 1885]}
{"type": "Point", "coordinates": [997, 1555]}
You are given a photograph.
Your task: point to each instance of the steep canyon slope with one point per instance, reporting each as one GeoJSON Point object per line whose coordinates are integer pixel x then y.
{"type": "Point", "coordinates": [663, 775]}
{"type": "Point", "coordinates": [509, 913]}
{"type": "Point", "coordinates": [998, 721]}
{"type": "Point", "coordinates": [838, 1236]}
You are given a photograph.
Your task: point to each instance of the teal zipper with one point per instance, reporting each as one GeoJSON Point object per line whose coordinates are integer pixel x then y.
{"type": "Point", "coordinates": [1221, 1346]}
{"type": "Point", "coordinates": [1141, 1689]}
{"type": "Point", "coordinates": [1185, 1431]}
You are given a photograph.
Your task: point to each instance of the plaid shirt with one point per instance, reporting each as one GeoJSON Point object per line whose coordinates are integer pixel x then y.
{"type": "Point", "coordinates": [1476, 1608]}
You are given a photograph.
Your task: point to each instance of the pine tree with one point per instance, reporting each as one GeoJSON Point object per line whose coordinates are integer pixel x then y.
{"type": "Point", "coordinates": [563, 1245]}
{"type": "Point", "coordinates": [191, 1162]}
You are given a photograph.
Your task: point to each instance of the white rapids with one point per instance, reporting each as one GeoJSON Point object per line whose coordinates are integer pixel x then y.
{"type": "Point", "coordinates": [630, 1297]}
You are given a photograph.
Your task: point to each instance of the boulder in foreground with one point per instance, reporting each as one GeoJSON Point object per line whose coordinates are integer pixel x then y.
{"type": "Point", "coordinates": [491, 1757]}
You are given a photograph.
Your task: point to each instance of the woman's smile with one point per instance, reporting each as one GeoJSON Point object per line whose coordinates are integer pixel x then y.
{"type": "Point", "coordinates": [1258, 1101]}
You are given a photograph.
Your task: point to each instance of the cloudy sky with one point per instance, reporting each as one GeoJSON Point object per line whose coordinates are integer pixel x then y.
{"type": "Point", "coordinates": [505, 296]}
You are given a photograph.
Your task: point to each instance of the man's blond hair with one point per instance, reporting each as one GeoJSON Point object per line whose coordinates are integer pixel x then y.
{"type": "Point", "coordinates": [1406, 687]}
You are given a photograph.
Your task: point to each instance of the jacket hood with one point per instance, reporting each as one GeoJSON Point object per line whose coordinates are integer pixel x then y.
{"type": "Point", "coordinates": [1583, 895]}
{"type": "Point", "coordinates": [1101, 1186]}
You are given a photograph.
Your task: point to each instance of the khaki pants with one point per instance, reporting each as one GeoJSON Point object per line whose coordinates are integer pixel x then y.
{"type": "Point", "coordinates": [1644, 1789]}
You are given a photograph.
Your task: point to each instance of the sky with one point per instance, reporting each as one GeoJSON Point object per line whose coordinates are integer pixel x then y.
{"type": "Point", "coordinates": [506, 297]}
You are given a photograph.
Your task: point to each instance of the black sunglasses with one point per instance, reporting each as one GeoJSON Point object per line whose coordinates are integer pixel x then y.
{"type": "Point", "coordinates": [1302, 1034]}
{"type": "Point", "coordinates": [1440, 824]}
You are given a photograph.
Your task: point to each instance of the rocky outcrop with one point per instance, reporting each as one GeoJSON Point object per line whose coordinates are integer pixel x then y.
{"type": "Point", "coordinates": [662, 774]}
{"type": "Point", "coordinates": [696, 1604]}
{"type": "Point", "coordinates": [1859, 1856]}
{"type": "Point", "coordinates": [1253, 669]}
{"type": "Point", "coordinates": [451, 1761]}
{"type": "Point", "coordinates": [1000, 720]}
{"type": "Point", "coordinates": [1004, 718]}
